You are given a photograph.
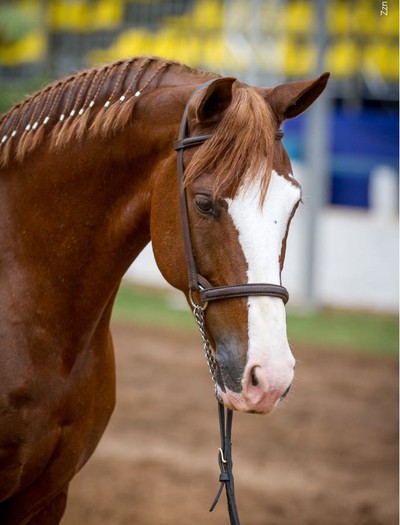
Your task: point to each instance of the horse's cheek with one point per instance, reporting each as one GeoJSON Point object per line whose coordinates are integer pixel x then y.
{"type": "Point", "coordinates": [167, 239]}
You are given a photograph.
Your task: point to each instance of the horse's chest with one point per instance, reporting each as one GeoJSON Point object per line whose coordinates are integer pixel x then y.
{"type": "Point", "coordinates": [46, 415]}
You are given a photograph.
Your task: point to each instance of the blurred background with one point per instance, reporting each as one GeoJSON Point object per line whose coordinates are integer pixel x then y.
{"type": "Point", "coordinates": [330, 456]}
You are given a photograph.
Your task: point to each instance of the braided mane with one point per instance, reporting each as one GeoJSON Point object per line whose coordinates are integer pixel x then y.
{"type": "Point", "coordinates": [98, 100]}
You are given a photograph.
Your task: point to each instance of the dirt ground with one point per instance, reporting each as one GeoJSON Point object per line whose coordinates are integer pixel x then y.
{"type": "Point", "coordinates": [327, 456]}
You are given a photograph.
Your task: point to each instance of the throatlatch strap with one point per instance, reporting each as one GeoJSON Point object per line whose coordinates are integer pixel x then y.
{"type": "Point", "coordinates": [225, 464]}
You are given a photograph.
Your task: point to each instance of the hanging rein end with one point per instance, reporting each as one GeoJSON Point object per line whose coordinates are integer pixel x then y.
{"type": "Point", "coordinates": [225, 417]}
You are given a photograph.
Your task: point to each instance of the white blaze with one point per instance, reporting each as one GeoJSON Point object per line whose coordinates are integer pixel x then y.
{"type": "Point", "coordinates": [262, 229]}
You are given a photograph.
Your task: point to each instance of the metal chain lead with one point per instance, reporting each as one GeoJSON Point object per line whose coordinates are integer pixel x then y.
{"type": "Point", "coordinates": [198, 312]}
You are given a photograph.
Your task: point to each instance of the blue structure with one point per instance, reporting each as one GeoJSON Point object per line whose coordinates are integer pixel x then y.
{"type": "Point", "coordinates": [361, 139]}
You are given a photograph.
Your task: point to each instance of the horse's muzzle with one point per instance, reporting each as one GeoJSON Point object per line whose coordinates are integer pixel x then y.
{"type": "Point", "coordinates": [262, 387]}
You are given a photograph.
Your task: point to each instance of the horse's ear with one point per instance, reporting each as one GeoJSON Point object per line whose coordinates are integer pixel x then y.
{"type": "Point", "coordinates": [209, 104]}
{"type": "Point", "coordinates": [291, 99]}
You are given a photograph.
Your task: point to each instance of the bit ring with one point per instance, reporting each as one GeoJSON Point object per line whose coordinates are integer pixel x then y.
{"type": "Point", "coordinates": [195, 305]}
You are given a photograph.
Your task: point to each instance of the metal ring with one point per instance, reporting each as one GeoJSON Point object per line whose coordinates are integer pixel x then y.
{"type": "Point", "coordinates": [195, 305]}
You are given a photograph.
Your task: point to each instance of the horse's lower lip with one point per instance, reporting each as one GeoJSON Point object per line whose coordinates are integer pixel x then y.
{"type": "Point", "coordinates": [235, 401]}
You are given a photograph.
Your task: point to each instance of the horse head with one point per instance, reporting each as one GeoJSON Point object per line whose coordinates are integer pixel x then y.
{"type": "Point", "coordinates": [240, 197]}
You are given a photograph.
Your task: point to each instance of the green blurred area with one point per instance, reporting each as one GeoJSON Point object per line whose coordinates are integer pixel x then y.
{"type": "Point", "coordinates": [344, 330]}
{"type": "Point", "coordinates": [14, 23]}
{"type": "Point", "coordinates": [13, 92]}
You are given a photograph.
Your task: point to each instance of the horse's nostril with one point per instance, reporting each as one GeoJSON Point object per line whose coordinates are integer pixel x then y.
{"type": "Point", "coordinates": [286, 392]}
{"type": "Point", "coordinates": [254, 380]}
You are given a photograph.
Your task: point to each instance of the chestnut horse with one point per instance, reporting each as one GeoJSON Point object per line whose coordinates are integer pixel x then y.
{"type": "Point", "coordinates": [88, 178]}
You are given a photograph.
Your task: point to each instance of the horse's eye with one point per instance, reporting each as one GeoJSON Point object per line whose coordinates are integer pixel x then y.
{"type": "Point", "coordinates": [204, 204]}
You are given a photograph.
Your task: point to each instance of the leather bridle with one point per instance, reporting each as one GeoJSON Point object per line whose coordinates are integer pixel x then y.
{"type": "Point", "coordinates": [208, 292]}
{"type": "Point", "coordinates": [197, 282]}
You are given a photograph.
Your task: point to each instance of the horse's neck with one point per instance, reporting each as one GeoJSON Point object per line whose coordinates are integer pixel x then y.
{"type": "Point", "coordinates": [75, 218]}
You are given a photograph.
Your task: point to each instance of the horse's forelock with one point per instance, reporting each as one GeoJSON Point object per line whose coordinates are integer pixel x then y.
{"type": "Point", "coordinates": [241, 147]}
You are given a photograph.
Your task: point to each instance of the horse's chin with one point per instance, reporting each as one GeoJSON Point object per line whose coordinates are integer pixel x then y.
{"type": "Point", "coordinates": [236, 401]}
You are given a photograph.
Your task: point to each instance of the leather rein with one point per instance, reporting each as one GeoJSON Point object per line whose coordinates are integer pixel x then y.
{"type": "Point", "coordinates": [208, 292]}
